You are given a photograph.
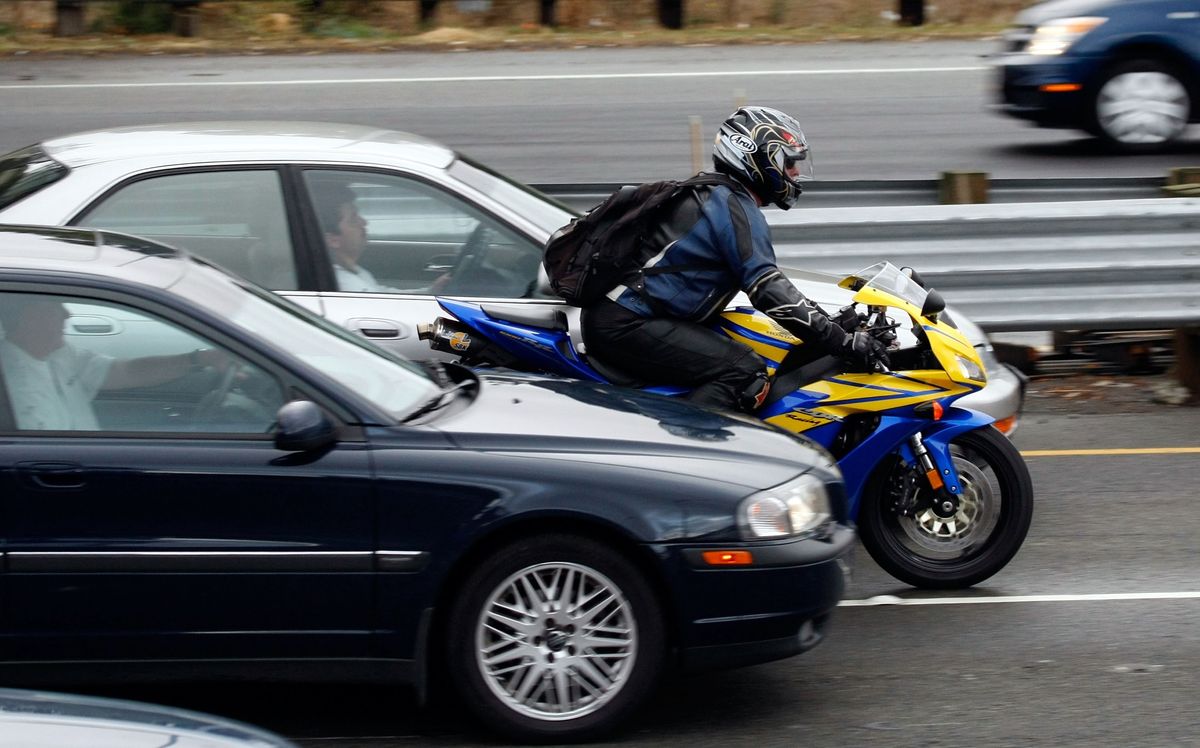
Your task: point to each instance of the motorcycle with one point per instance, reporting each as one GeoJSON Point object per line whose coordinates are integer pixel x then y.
{"type": "Point", "coordinates": [941, 498]}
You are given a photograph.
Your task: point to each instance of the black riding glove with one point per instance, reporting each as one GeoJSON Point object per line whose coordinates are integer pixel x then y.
{"type": "Point", "coordinates": [848, 318]}
{"type": "Point", "coordinates": [863, 348]}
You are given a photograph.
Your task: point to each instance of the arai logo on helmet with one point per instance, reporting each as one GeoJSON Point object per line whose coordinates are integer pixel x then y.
{"type": "Point", "coordinates": [742, 143]}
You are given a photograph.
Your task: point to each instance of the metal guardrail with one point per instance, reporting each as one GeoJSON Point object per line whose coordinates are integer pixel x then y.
{"type": "Point", "coordinates": [1128, 261]}
{"type": "Point", "coordinates": [1105, 264]}
{"type": "Point", "coordinates": [854, 193]}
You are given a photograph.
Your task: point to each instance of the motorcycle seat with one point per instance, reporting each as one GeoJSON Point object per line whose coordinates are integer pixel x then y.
{"type": "Point", "coordinates": [540, 317]}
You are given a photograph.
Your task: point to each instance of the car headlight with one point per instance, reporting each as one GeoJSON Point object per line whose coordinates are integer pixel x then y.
{"type": "Point", "coordinates": [971, 369]}
{"type": "Point", "coordinates": [1057, 36]}
{"type": "Point", "coordinates": [793, 508]}
{"type": "Point", "coordinates": [987, 354]}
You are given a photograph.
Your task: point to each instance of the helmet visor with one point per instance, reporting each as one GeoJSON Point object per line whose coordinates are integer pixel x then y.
{"type": "Point", "coordinates": [795, 161]}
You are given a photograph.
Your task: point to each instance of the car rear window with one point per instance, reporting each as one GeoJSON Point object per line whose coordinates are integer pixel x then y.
{"type": "Point", "coordinates": [26, 171]}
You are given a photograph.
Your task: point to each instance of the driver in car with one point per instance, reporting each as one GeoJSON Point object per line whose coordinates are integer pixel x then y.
{"type": "Point", "coordinates": [51, 383]}
{"type": "Point", "coordinates": [345, 233]}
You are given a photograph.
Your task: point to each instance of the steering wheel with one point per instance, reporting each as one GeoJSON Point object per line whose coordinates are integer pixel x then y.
{"type": "Point", "coordinates": [209, 407]}
{"type": "Point", "coordinates": [469, 257]}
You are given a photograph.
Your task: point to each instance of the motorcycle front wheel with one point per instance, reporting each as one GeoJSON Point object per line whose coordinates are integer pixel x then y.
{"type": "Point", "coordinates": [932, 552]}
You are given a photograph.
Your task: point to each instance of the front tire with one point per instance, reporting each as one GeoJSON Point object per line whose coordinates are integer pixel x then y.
{"type": "Point", "coordinates": [1140, 106]}
{"type": "Point", "coordinates": [995, 509]}
{"type": "Point", "coordinates": [555, 638]}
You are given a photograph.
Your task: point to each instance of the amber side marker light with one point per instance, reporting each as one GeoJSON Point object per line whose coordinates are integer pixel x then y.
{"type": "Point", "coordinates": [932, 410]}
{"type": "Point", "coordinates": [1060, 87]}
{"type": "Point", "coordinates": [728, 558]}
{"type": "Point", "coordinates": [1006, 425]}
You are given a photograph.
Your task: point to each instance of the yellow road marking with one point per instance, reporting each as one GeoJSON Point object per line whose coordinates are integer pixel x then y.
{"type": "Point", "coordinates": [1099, 452]}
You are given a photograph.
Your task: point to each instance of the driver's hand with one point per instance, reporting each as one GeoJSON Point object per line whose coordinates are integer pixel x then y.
{"type": "Point", "coordinates": [211, 357]}
{"type": "Point", "coordinates": [439, 285]}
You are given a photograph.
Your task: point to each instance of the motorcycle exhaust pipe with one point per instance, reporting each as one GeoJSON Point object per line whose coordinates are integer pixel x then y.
{"type": "Point", "coordinates": [447, 336]}
{"type": "Point", "coordinates": [453, 337]}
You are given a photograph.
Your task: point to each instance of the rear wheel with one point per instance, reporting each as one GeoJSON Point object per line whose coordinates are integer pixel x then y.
{"type": "Point", "coordinates": [1140, 106]}
{"type": "Point", "coordinates": [993, 516]}
{"type": "Point", "coordinates": [555, 638]}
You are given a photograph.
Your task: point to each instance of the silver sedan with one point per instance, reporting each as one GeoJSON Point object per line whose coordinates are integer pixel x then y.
{"type": "Point", "coordinates": [253, 197]}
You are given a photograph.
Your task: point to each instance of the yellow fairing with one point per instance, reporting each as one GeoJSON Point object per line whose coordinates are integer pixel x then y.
{"type": "Point", "coordinates": [846, 394]}
{"type": "Point", "coordinates": [764, 336]}
{"type": "Point", "coordinates": [947, 343]}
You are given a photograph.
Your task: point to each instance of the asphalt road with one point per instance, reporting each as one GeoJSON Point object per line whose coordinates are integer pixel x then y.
{"type": "Point", "coordinates": [872, 110]}
{"type": "Point", "coordinates": [1088, 638]}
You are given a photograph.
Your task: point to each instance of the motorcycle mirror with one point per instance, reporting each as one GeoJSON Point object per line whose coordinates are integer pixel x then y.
{"type": "Point", "coordinates": [915, 277]}
{"type": "Point", "coordinates": [934, 304]}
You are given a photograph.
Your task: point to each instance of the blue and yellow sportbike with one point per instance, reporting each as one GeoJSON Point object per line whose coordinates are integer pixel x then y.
{"type": "Point", "coordinates": [942, 499]}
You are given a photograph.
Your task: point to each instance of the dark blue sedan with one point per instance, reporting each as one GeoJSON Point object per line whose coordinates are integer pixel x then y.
{"type": "Point", "coordinates": [200, 478]}
{"type": "Point", "coordinates": [1126, 71]}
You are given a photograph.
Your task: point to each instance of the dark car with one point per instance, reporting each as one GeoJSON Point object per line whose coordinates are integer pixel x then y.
{"type": "Point", "coordinates": [1126, 71]}
{"type": "Point", "coordinates": [200, 478]}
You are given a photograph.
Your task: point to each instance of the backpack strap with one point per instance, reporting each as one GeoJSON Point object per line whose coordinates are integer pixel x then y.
{"type": "Point", "coordinates": [712, 179]}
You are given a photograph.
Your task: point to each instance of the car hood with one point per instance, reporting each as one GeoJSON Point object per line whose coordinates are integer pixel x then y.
{"type": "Point", "coordinates": [599, 423]}
{"type": "Point", "coordinates": [48, 718]}
{"type": "Point", "coordinates": [1043, 12]}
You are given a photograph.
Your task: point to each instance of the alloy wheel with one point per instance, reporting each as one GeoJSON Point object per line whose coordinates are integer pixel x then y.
{"type": "Point", "coordinates": [978, 512]}
{"type": "Point", "coordinates": [556, 641]}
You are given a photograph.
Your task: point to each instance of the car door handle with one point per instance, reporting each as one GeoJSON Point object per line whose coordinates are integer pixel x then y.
{"type": "Point", "coordinates": [376, 329]}
{"type": "Point", "coordinates": [380, 332]}
{"type": "Point", "coordinates": [52, 475]}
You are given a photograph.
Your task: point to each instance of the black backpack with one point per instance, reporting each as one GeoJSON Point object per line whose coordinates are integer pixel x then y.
{"type": "Point", "coordinates": [596, 252]}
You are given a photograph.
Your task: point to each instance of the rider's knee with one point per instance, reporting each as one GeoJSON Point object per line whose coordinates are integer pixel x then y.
{"type": "Point", "coordinates": [754, 391]}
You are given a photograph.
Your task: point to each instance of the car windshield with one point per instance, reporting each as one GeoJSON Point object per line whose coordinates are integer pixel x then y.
{"type": "Point", "coordinates": [393, 383]}
{"type": "Point", "coordinates": [26, 171]}
{"type": "Point", "coordinates": [522, 199]}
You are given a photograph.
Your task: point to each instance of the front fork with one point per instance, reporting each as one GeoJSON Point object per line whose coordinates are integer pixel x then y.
{"type": "Point", "coordinates": [937, 465]}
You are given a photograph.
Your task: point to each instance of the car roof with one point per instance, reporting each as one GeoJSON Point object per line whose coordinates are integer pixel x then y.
{"type": "Point", "coordinates": [88, 251]}
{"type": "Point", "coordinates": [198, 142]}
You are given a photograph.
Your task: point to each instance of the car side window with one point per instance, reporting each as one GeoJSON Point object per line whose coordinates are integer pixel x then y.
{"type": "Point", "coordinates": [235, 219]}
{"type": "Point", "coordinates": [69, 364]}
{"type": "Point", "coordinates": [390, 234]}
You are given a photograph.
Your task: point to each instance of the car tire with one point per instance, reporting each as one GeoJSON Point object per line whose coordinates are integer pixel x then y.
{"type": "Point", "coordinates": [555, 638]}
{"type": "Point", "coordinates": [1140, 106]}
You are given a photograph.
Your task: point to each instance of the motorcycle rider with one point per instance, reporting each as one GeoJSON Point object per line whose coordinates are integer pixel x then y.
{"type": "Point", "coordinates": [719, 242]}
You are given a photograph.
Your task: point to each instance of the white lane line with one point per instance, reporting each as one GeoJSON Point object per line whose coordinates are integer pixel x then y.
{"type": "Point", "coordinates": [494, 78]}
{"type": "Point", "coordinates": [893, 600]}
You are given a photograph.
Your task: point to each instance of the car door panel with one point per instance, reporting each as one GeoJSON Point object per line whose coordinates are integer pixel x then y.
{"type": "Point", "coordinates": [361, 313]}
{"type": "Point", "coordinates": [199, 547]}
{"type": "Point", "coordinates": [169, 516]}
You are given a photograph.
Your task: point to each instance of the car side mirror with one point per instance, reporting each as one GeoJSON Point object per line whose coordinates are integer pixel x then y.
{"type": "Point", "coordinates": [303, 427]}
{"type": "Point", "coordinates": [934, 304]}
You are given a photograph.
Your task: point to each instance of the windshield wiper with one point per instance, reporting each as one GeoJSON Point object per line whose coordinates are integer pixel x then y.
{"type": "Point", "coordinates": [441, 400]}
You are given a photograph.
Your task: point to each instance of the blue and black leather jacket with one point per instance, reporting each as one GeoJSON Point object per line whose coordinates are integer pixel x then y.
{"type": "Point", "coordinates": [713, 243]}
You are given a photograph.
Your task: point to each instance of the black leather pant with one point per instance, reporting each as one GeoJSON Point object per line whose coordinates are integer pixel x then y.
{"type": "Point", "coordinates": [665, 351]}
